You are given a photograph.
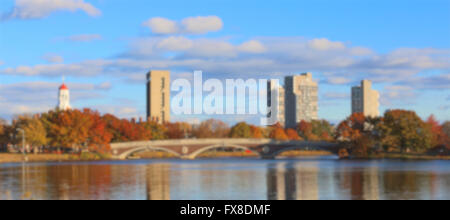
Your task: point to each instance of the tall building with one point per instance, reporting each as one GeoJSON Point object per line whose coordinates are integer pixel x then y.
{"type": "Point", "coordinates": [158, 96]}
{"type": "Point", "coordinates": [272, 87]}
{"type": "Point", "coordinates": [301, 99]}
{"type": "Point", "coordinates": [365, 100]}
{"type": "Point", "coordinates": [64, 98]}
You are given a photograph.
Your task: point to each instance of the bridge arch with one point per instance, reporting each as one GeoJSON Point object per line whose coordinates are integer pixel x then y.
{"type": "Point", "coordinates": [195, 154]}
{"type": "Point", "coordinates": [126, 154]}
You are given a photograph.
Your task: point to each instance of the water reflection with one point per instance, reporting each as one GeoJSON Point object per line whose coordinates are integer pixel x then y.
{"type": "Point", "coordinates": [228, 179]}
{"type": "Point", "coordinates": [285, 181]}
{"type": "Point", "coordinates": [158, 182]}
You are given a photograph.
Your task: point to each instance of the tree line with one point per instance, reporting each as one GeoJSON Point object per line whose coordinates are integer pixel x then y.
{"type": "Point", "coordinates": [396, 131]}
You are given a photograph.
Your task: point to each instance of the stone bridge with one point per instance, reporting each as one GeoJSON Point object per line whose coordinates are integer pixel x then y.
{"type": "Point", "coordinates": [191, 148]}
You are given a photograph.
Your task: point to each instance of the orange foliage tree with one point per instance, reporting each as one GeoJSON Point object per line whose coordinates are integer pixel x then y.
{"type": "Point", "coordinates": [278, 133]}
{"type": "Point", "coordinates": [256, 132]}
{"type": "Point", "coordinates": [293, 135]}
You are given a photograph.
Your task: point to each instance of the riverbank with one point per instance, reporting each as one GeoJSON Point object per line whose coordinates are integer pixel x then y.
{"type": "Point", "coordinates": [407, 156]}
{"type": "Point", "coordinates": [17, 158]}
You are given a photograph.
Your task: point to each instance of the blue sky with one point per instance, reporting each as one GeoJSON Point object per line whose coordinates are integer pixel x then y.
{"type": "Point", "coordinates": [105, 47]}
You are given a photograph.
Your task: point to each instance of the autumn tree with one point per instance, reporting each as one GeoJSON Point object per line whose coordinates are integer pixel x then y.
{"type": "Point", "coordinates": [293, 135]}
{"type": "Point", "coordinates": [211, 128]}
{"type": "Point", "coordinates": [4, 139]}
{"type": "Point", "coordinates": [123, 130]}
{"type": "Point", "coordinates": [156, 131]}
{"type": "Point", "coordinates": [439, 138]}
{"type": "Point", "coordinates": [2, 126]}
{"type": "Point", "coordinates": [315, 130]}
{"type": "Point", "coordinates": [446, 131]}
{"type": "Point", "coordinates": [355, 134]}
{"type": "Point", "coordinates": [2, 131]}
{"type": "Point", "coordinates": [113, 125]}
{"type": "Point", "coordinates": [406, 131]}
{"type": "Point", "coordinates": [68, 129]}
{"type": "Point", "coordinates": [178, 130]}
{"type": "Point", "coordinates": [278, 134]}
{"type": "Point", "coordinates": [241, 130]}
{"type": "Point", "coordinates": [257, 132]}
{"type": "Point", "coordinates": [35, 132]}
{"type": "Point", "coordinates": [99, 138]}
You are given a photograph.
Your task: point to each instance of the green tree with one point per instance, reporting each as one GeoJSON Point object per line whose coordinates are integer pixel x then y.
{"type": "Point", "coordinates": [241, 130]}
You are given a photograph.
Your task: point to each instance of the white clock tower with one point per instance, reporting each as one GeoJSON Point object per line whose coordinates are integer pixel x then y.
{"type": "Point", "coordinates": [64, 98]}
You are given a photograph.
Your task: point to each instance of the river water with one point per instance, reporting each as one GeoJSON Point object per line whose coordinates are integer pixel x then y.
{"type": "Point", "coordinates": [234, 179]}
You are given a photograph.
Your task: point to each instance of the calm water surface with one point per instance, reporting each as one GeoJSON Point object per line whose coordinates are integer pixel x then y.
{"type": "Point", "coordinates": [236, 179]}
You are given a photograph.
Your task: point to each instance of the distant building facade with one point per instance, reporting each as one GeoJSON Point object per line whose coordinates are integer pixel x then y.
{"type": "Point", "coordinates": [158, 96]}
{"type": "Point", "coordinates": [365, 100]}
{"type": "Point", "coordinates": [272, 87]}
{"type": "Point", "coordinates": [301, 99]}
{"type": "Point", "coordinates": [63, 98]}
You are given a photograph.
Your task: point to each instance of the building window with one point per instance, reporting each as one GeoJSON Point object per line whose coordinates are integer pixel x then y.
{"type": "Point", "coordinates": [163, 83]}
{"type": "Point", "coordinates": [163, 99]}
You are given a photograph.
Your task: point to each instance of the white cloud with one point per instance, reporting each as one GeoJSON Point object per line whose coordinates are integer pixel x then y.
{"type": "Point", "coordinates": [325, 44]}
{"type": "Point", "coordinates": [53, 58]}
{"type": "Point", "coordinates": [281, 55]}
{"type": "Point", "coordinates": [252, 46]}
{"type": "Point", "coordinates": [86, 68]}
{"type": "Point", "coordinates": [190, 25]}
{"type": "Point", "coordinates": [175, 44]}
{"type": "Point", "coordinates": [202, 25]}
{"type": "Point", "coordinates": [161, 25]}
{"type": "Point", "coordinates": [35, 9]}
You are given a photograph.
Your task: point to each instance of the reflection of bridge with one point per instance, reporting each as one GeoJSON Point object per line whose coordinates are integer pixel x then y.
{"type": "Point", "coordinates": [191, 148]}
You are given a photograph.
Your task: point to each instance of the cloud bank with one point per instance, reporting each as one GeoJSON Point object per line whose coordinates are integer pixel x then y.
{"type": "Point", "coordinates": [190, 25]}
{"type": "Point", "coordinates": [36, 9]}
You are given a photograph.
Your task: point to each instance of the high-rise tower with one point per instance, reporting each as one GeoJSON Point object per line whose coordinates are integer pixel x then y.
{"type": "Point", "coordinates": [158, 96]}
{"type": "Point", "coordinates": [64, 98]}
{"type": "Point", "coordinates": [301, 99]}
{"type": "Point", "coordinates": [365, 100]}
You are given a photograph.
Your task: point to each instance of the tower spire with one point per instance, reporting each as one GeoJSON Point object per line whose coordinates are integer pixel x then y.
{"type": "Point", "coordinates": [64, 98]}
